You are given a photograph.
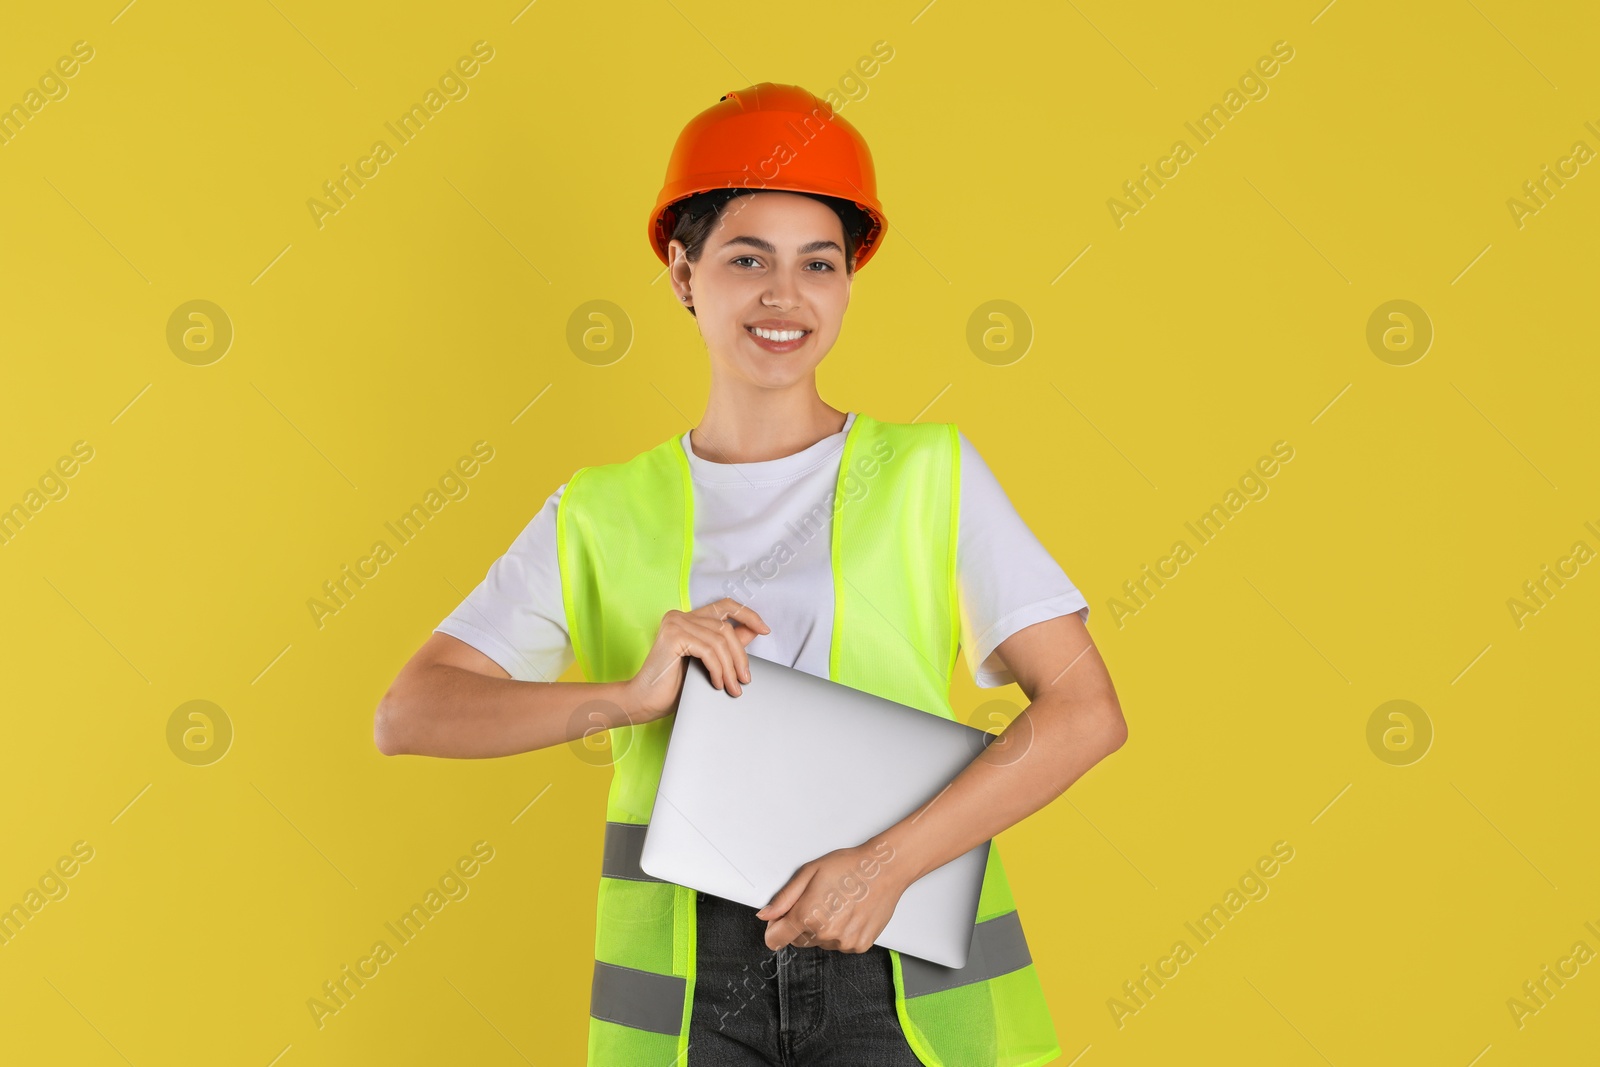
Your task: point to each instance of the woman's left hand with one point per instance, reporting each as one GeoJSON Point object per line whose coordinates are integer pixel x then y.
{"type": "Point", "coordinates": [840, 901]}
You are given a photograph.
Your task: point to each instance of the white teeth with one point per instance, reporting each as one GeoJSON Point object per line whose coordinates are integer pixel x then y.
{"type": "Point", "coordinates": [778, 335]}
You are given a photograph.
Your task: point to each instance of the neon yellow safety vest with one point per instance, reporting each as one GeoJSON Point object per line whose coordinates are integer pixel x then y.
{"type": "Point", "coordinates": [625, 539]}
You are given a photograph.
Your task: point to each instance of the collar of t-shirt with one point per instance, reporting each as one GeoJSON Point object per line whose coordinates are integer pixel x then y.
{"type": "Point", "coordinates": [770, 471]}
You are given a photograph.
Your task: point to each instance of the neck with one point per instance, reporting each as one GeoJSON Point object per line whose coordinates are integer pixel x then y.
{"type": "Point", "coordinates": [763, 426]}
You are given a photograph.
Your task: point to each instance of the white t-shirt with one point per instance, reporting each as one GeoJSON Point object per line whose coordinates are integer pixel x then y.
{"type": "Point", "coordinates": [1006, 580]}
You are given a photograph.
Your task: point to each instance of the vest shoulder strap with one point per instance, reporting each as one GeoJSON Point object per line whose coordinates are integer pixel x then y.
{"type": "Point", "coordinates": [624, 526]}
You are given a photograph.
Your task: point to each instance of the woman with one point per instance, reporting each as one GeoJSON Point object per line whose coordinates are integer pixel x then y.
{"type": "Point", "coordinates": [858, 550]}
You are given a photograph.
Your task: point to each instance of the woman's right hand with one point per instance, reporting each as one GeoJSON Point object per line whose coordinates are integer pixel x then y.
{"type": "Point", "coordinates": [715, 634]}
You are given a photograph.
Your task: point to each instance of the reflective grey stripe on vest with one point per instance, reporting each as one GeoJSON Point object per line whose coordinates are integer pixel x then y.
{"type": "Point", "coordinates": [624, 846]}
{"type": "Point", "coordinates": [641, 999]}
{"type": "Point", "coordinates": [626, 995]}
{"type": "Point", "coordinates": [998, 947]}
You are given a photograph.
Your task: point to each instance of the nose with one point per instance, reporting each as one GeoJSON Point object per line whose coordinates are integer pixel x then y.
{"type": "Point", "coordinates": [783, 292]}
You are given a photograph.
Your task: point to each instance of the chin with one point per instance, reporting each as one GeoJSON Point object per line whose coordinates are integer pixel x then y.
{"type": "Point", "coordinates": [775, 377]}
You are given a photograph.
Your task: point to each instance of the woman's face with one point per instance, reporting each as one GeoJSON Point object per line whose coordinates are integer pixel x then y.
{"type": "Point", "coordinates": [774, 260]}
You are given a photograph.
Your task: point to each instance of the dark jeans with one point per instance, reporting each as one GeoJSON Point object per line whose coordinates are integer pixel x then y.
{"type": "Point", "coordinates": [797, 1007]}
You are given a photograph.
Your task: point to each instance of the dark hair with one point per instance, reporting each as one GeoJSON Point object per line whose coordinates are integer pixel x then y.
{"type": "Point", "coordinates": [696, 217]}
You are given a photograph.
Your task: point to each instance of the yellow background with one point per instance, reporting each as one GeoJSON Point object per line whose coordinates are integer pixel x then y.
{"type": "Point", "coordinates": [1229, 313]}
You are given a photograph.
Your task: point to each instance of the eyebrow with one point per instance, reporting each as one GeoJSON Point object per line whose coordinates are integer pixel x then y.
{"type": "Point", "coordinates": [768, 247]}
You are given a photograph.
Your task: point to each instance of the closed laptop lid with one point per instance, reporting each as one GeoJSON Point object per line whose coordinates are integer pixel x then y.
{"type": "Point", "coordinates": [754, 786]}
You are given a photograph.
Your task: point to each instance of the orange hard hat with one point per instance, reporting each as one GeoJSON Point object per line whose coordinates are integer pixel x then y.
{"type": "Point", "coordinates": [770, 137]}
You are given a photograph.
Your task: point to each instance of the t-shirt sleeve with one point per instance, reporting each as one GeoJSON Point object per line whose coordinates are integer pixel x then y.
{"type": "Point", "coordinates": [515, 615]}
{"type": "Point", "coordinates": [1006, 579]}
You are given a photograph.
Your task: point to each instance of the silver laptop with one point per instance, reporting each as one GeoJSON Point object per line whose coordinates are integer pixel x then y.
{"type": "Point", "coordinates": [754, 786]}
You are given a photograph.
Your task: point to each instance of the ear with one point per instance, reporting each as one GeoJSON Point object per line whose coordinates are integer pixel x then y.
{"type": "Point", "coordinates": [681, 271]}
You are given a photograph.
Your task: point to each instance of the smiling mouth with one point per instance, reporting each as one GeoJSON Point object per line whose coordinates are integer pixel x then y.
{"type": "Point", "coordinates": [778, 342]}
{"type": "Point", "coordinates": [777, 336]}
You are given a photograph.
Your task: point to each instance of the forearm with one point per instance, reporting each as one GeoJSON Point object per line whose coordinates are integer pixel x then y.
{"type": "Point", "coordinates": [447, 711]}
{"type": "Point", "coordinates": [1050, 745]}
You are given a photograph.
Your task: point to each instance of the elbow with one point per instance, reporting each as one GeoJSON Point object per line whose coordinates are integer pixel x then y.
{"type": "Point", "coordinates": [1114, 729]}
{"type": "Point", "coordinates": [388, 723]}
